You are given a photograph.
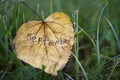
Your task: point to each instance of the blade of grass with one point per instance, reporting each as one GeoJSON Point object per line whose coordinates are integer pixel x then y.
{"type": "Point", "coordinates": [3, 75]}
{"type": "Point", "coordinates": [38, 8]}
{"type": "Point", "coordinates": [5, 23]}
{"type": "Point", "coordinates": [76, 45]}
{"type": "Point", "coordinates": [51, 6]}
{"type": "Point", "coordinates": [91, 39]}
{"type": "Point", "coordinates": [23, 13]}
{"type": "Point", "coordinates": [80, 65]}
{"type": "Point", "coordinates": [114, 66]}
{"type": "Point", "coordinates": [114, 32]}
{"type": "Point", "coordinates": [98, 29]}
{"type": "Point", "coordinates": [17, 17]}
{"type": "Point", "coordinates": [61, 76]}
{"type": "Point", "coordinates": [70, 78]}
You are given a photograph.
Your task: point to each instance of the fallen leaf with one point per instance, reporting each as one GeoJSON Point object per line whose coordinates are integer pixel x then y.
{"type": "Point", "coordinates": [45, 43]}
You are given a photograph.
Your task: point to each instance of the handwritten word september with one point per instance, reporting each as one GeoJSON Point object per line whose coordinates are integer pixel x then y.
{"type": "Point", "coordinates": [60, 41]}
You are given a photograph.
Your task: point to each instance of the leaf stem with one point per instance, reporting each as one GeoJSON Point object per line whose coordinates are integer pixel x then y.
{"type": "Point", "coordinates": [32, 10]}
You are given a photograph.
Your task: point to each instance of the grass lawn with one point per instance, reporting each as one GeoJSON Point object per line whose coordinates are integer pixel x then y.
{"type": "Point", "coordinates": [96, 50]}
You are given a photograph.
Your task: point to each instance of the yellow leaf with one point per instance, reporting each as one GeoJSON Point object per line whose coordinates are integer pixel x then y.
{"type": "Point", "coordinates": [45, 43]}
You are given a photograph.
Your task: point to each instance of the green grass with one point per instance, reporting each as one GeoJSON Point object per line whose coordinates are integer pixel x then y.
{"type": "Point", "coordinates": [96, 51]}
